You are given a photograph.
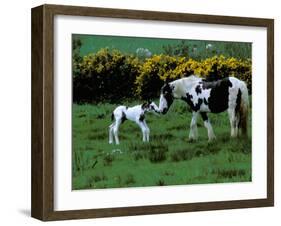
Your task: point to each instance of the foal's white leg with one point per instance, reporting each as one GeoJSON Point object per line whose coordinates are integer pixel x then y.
{"type": "Point", "coordinates": [209, 127]}
{"type": "Point", "coordinates": [143, 130]}
{"type": "Point", "coordinates": [115, 130]}
{"type": "Point", "coordinates": [111, 133]}
{"type": "Point", "coordinates": [147, 131]}
{"type": "Point", "coordinates": [193, 133]}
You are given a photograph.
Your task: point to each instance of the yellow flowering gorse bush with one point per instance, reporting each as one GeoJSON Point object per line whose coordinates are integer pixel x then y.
{"type": "Point", "coordinates": [111, 75]}
{"type": "Point", "coordinates": [160, 68]}
{"type": "Point", "coordinates": [105, 76]}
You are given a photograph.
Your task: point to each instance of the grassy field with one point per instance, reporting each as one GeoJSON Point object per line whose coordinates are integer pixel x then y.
{"type": "Point", "coordinates": [169, 159]}
{"type": "Point", "coordinates": [129, 45]}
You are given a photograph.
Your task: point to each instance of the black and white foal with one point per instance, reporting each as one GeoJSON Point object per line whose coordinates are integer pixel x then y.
{"type": "Point", "coordinates": [202, 96]}
{"type": "Point", "coordinates": [136, 114]}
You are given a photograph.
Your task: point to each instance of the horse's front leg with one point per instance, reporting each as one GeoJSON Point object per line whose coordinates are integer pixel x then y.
{"type": "Point", "coordinates": [193, 133]}
{"type": "Point", "coordinates": [208, 126]}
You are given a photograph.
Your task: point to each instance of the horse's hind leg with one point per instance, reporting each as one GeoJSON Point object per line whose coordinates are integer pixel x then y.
{"type": "Point", "coordinates": [237, 119]}
{"type": "Point", "coordinates": [193, 133]}
{"type": "Point", "coordinates": [231, 115]}
{"type": "Point", "coordinates": [233, 122]}
{"type": "Point", "coordinates": [208, 126]}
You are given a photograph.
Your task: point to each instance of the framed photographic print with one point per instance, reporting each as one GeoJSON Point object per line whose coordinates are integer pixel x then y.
{"type": "Point", "coordinates": [141, 112]}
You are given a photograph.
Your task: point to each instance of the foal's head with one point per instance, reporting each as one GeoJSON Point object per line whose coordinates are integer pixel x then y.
{"type": "Point", "coordinates": [150, 107]}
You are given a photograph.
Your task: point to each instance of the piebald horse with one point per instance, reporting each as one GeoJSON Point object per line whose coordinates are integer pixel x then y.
{"type": "Point", "coordinates": [203, 96]}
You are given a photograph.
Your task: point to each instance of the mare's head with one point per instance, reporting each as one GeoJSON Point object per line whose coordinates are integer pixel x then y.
{"type": "Point", "coordinates": [166, 98]}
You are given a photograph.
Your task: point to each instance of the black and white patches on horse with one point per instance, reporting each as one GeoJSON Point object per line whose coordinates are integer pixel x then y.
{"type": "Point", "coordinates": [198, 89]}
{"type": "Point", "coordinates": [205, 101]}
{"type": "Point", "coordinates": [219, 94]}
{"type": "Point", "coordinates": [209, 96]}
{"type": "Point", "coordinates": [123, 118]}
{"type": "Point", "coordinates": [189, 100]}
{"type": "Point", "coordinates": [203, 96]}
{"type": "Point", "coordinates": [204, 116]}
{"type": "Point", "coordinates": [142, 117]}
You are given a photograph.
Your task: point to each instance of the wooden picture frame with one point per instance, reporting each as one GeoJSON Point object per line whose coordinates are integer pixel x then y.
{"type": "Point", "coordinates": [42, 203]}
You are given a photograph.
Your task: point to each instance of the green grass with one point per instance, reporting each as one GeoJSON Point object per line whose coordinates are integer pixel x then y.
{"type": "Point", "coordinates": [169, 159]}
{"type": "Point", "coordinates": [129, 45]}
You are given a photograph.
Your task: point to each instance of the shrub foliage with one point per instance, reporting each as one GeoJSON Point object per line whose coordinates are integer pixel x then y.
{"type": "Point", "coordinates": [112, 76]}
{"type": "Point", "coordinates": [105, 76]}
{"type": "Point", "coordinates": [162, 68]}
